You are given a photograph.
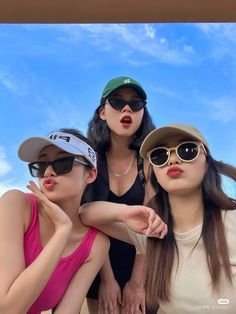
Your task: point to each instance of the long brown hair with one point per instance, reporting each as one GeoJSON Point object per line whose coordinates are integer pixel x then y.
{"type": "Point", "coordinates": [160, 253]}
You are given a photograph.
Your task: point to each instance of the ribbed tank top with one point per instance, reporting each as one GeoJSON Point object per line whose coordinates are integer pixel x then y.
{"type": "Point", "coordinates": [65, 269]}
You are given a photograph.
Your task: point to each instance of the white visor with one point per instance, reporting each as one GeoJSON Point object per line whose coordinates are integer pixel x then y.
{"type": "Point", "coordinates": [30, 149]}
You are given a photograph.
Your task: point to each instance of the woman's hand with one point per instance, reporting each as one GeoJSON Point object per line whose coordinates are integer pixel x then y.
{"type": "Point", "coordinates": [109, 297]}
{"type": "Point", "coordinates": [144, 220]}
{"type": "Point", "coordinates": [58, 217]}
{"type": "Point", "coordinates": [133, 298]}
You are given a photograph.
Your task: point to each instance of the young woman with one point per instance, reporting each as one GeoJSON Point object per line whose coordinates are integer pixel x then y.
{"type": "Point", "coordinates": [117, 129]}
{"type": "Point", "coordinates": [47, 256]}
{"type": "Point", "coordinates": [193, 269]}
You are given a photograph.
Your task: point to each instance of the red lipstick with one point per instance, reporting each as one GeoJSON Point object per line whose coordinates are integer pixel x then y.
{"type": "Point", "coordinates": [174, 172]}
{"type": "Point", "coordinates": [126, 120]}
{"type": "Point", "coordinates": [49, 184]}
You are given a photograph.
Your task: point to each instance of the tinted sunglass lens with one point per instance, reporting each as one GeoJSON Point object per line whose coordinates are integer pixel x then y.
{"type": "Point", "coordinates": [37, 169]}
{"type": "Point", "coordinates": [63, 165]}
{"type": "Point", "coordinates": [159, 156]}
{"type": "Point", "coordinates": [188, 151]}
{"type": "Point", "coordinates": [117, 104]}
{"type": "Point", "coordinates": [60, 166]}
{"type": "Point", "coordinates": [136, 105]}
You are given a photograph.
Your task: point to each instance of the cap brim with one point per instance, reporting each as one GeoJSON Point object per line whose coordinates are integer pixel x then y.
{"type": "Point", "coordinates": [30, 149]}
{"type": "Point", "coordinates": [137, 88]}
{"type": "Point", "coordinates": [157, 136]}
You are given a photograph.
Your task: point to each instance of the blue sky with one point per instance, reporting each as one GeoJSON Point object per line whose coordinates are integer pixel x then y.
{"type": "Point", "coordinates": [52, 76]}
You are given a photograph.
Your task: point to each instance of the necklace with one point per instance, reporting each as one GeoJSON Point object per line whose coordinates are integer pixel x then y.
{"type": "Point", "coordinates": [123, 173]}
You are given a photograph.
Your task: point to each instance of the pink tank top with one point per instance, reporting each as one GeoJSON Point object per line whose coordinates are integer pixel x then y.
{"type": "Point", "coordinates": [65, 269]}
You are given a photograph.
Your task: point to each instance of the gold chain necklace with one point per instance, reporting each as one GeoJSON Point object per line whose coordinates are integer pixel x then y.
{"type": "Point", "coordinates": [123, 173]}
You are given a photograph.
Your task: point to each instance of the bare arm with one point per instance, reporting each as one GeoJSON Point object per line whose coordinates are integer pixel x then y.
{"type": "Point", "coordinates": [109, 293]}
{"type": "Point", "coordinates": [72, 300]}
{"type": "Point", "coordinates": [114, 219]}
{"type": "Point", "coordinates": [15, 278]}
{"type": "Point", "coordinates": [137, 275]}
{"type": "Point", "coordinates": [133, 295]}
{"type": "Point", "coordinates": [106, 217]}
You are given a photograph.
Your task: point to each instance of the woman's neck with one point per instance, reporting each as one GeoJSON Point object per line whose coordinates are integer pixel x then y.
{"type": "Point", "coordinates": [120, 146]}
{"type": "Point", "coordinates": [71, 208]}
{"type": "Point", "coordinates": [187, 211]}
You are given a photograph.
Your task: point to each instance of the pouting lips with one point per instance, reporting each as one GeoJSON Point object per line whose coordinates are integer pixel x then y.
{"type": "Point", "coordinates": [49, 184]}
{"type": "Point", "coordinates": [174, 172]}
{"type": "Point", "coordinates": [48, 181]}
{"type": "Point", "coordinates": [126, 119]}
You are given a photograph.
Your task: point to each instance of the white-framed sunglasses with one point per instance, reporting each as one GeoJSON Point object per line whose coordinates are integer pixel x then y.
{"type": "Point", "coordinates": [185, 151]}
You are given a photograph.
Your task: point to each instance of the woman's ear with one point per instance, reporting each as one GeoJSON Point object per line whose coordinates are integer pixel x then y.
{"type": "Point", "coordinates": [102, 114]}
{"type": "Point", "coordinates": [91, 175]}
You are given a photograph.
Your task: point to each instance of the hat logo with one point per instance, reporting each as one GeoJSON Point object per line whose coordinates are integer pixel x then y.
{"type": "Point", "coordinates": [55, 136]}
{"type": "Point", "coordinates": [127, 81]}
{"type": "Point", "coordinates": [91, 154]}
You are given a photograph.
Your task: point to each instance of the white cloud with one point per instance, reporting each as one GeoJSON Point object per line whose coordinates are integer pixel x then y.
{"type": "Point", "coordinates": [163, 41]}
{"type": "Point", "coordinates": [4, 165]}
{"type": "Point", "coordinates": [152, 41]}
{"type": "Point", "coordinates": [68, 116]}
{"type": "Point", "coordinates": [226, 31]}
{"type": "Point", "coordinates": [12, 83]}
{"type": "Point", "coordinates": [188, 49]}
{"type": "Point", "coordinates": [223, 110]}
{"type": "Point", "coordinates": [168, 92]}
{"type": "Point", "coordinates": [135, 40]}
{"type": "Point", "coordinates": [150, 31]}
{"type": "Point", "coordinates": [209, 28]}
{"type": "Point", "coordinates": [221, 40]}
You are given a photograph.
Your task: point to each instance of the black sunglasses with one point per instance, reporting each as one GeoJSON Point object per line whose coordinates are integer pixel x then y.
{"type": "Point", "coordinates": [119, 104]}
{"type": "Point", "coordinates": [60, 166]}
{"type": "Point", "coordinates": [186, 151]}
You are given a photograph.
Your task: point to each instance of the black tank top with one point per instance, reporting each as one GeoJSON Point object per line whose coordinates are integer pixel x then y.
{"type": "Point", "coordinates": [121, 254]}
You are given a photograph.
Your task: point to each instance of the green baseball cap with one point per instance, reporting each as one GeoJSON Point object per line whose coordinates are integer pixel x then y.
{"type": "Point", "coordinates": [122, 81]}
{"type": "Point", "coordinates": [157, 136]}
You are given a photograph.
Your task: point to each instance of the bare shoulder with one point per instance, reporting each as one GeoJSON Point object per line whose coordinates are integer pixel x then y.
{"type": "Point", "coordinates": [14, 196]}
{"type": "Point", "coordinates": [15, 201]}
